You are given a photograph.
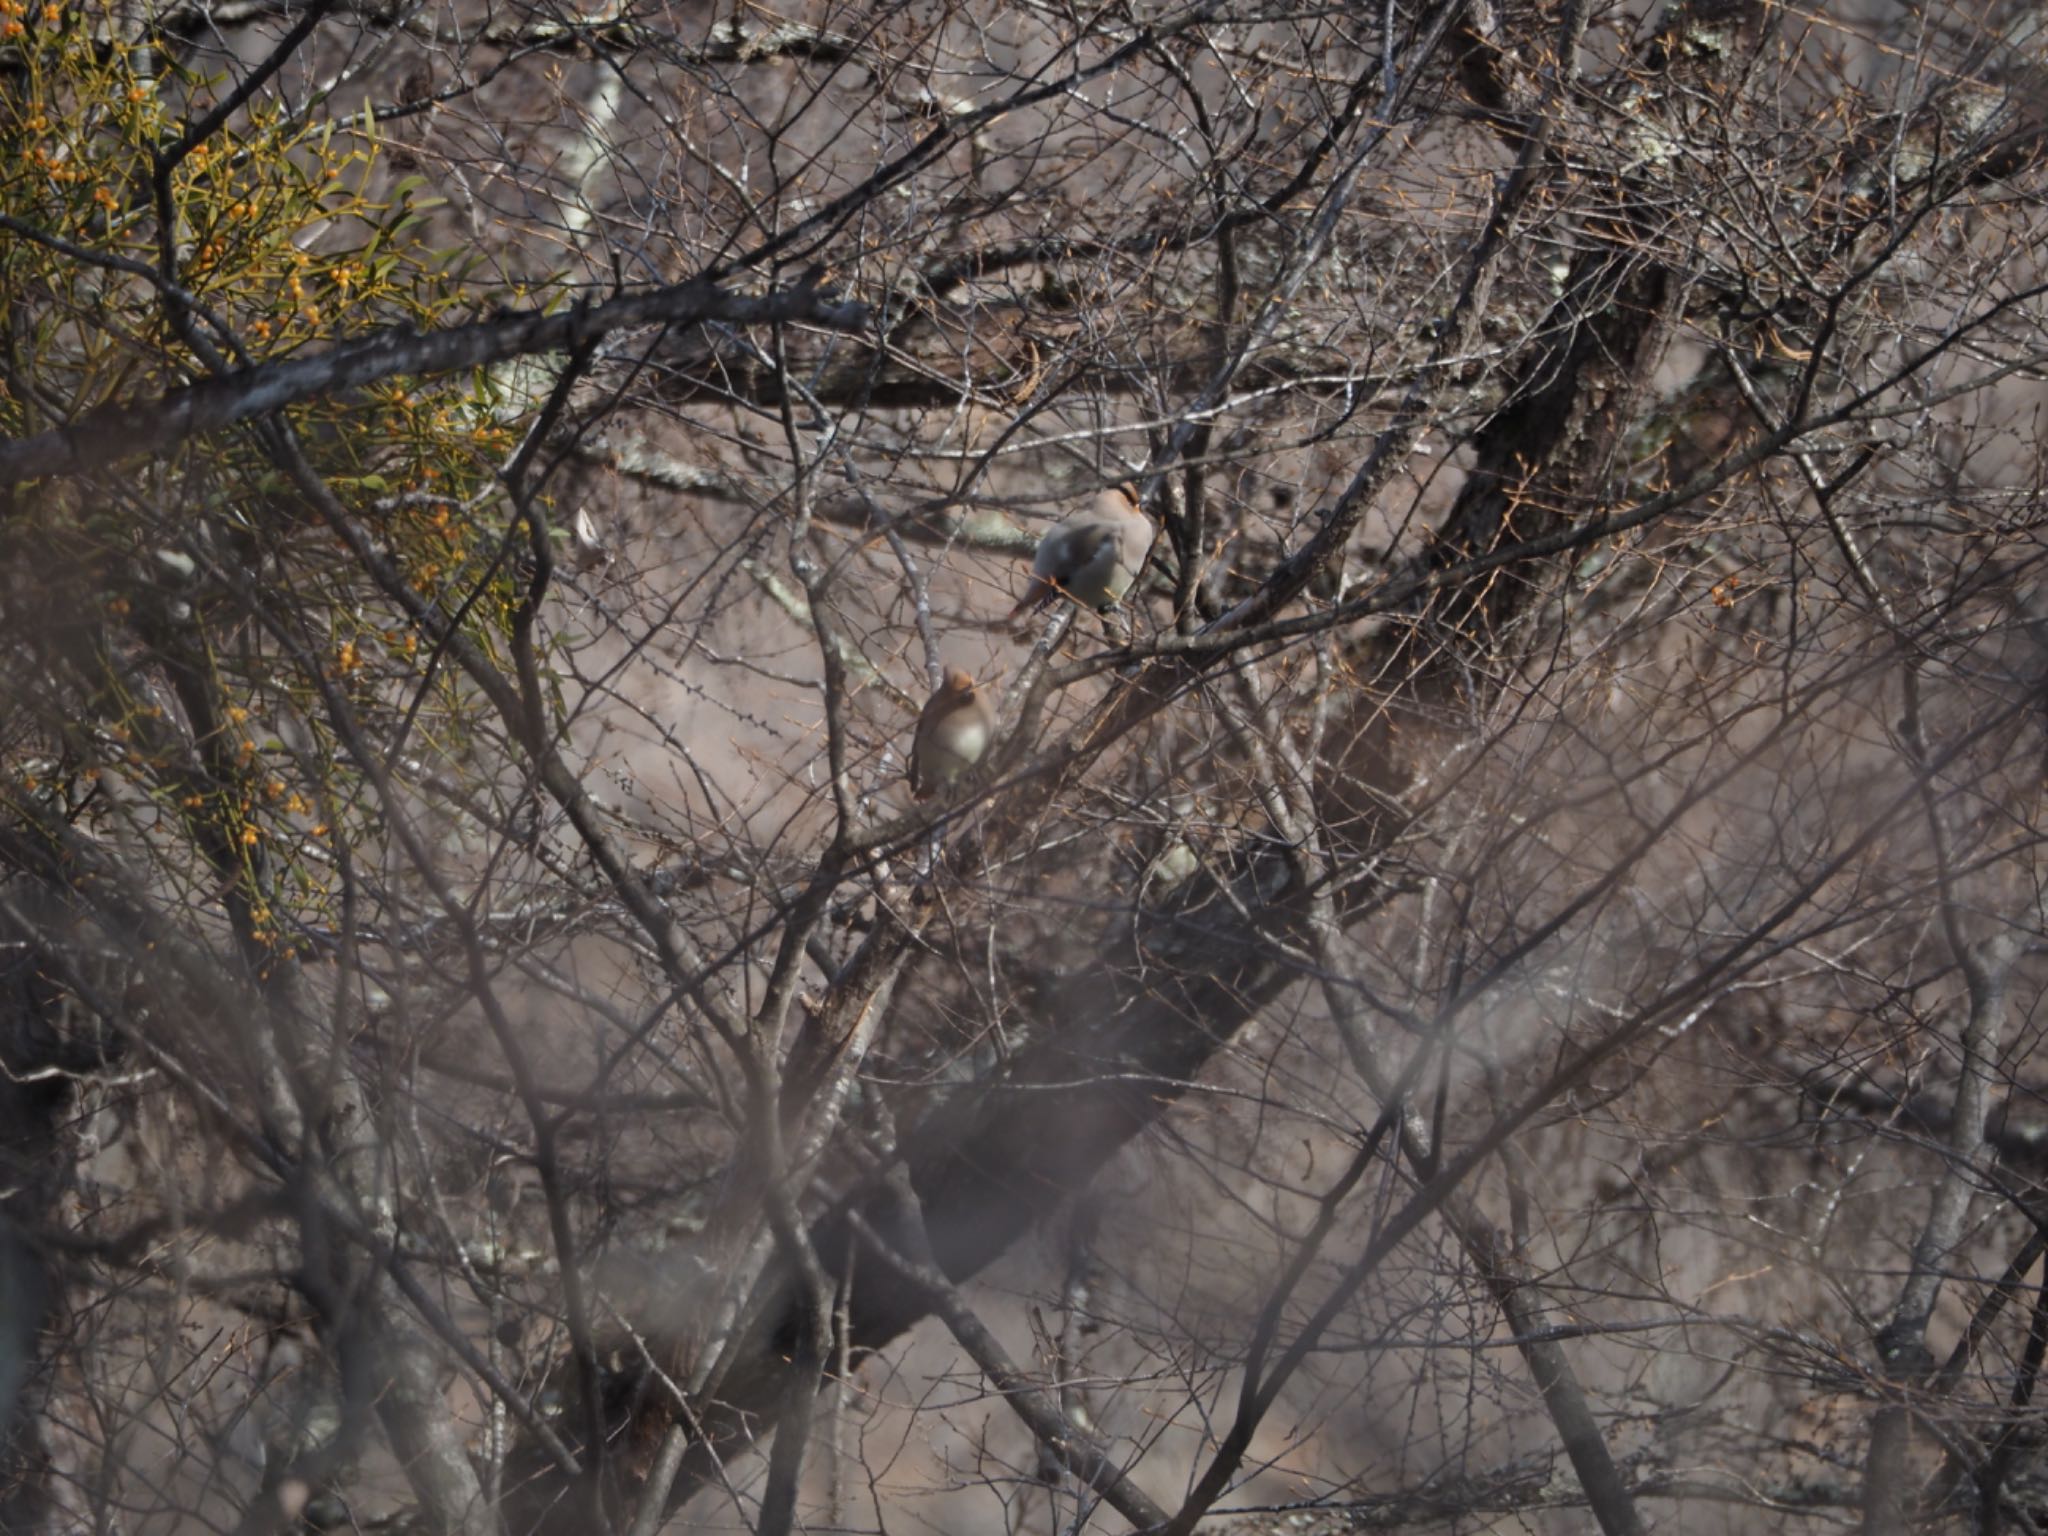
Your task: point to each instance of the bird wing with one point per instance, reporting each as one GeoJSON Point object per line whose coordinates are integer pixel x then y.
{"type": "Point", "coordinates": [1085, 548]}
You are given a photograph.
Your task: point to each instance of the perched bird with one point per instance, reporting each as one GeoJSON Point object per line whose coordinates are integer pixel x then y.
{"type": "Point", "coordinates": [954, 730]}
{"type": "Point", "coordinates": [1093, 557]}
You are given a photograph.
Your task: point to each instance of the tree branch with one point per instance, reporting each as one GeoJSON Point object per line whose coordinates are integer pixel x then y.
{"type": "Point", "coordinates": [121, 430]}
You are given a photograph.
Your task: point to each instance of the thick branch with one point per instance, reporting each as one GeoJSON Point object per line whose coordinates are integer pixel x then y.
{"type": "Point", "coordinates": [1038, 1408]}
{"type": "Point", "coordinates": [121, 430]}
{"type": "Point", "coordinates": [1902, 1342]}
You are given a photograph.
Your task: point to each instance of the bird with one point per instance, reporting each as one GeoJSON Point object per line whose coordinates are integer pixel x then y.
{"type": "Point", "coordinates": [1091, 558]}
{"type": "Point", "coordinates": [953, 732]}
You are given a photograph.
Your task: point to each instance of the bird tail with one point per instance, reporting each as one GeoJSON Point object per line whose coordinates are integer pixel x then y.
{"type": "Point", "coordinates": [1036, 596]}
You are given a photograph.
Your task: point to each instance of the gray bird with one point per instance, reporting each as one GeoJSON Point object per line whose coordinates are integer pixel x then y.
{"type": "Point", "coordinates": [1092, 558]}
{"type": "Point", "coordinates": [953, 731]}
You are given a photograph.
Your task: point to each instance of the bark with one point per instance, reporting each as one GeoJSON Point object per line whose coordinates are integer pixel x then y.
{"type": "Point", "coordinates": [1904, 1360]}
{"type": "Point", "coordinates": [1060, 1439]}
{"type": "Point", "coordinates": [1137, 1027]}
{"type": "Point", "coordinates": [1564, 1398]}
{"type": "Point", "coordinates": [43, 1047]}
{"type": "Point", "coordinates": [121, 430]}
